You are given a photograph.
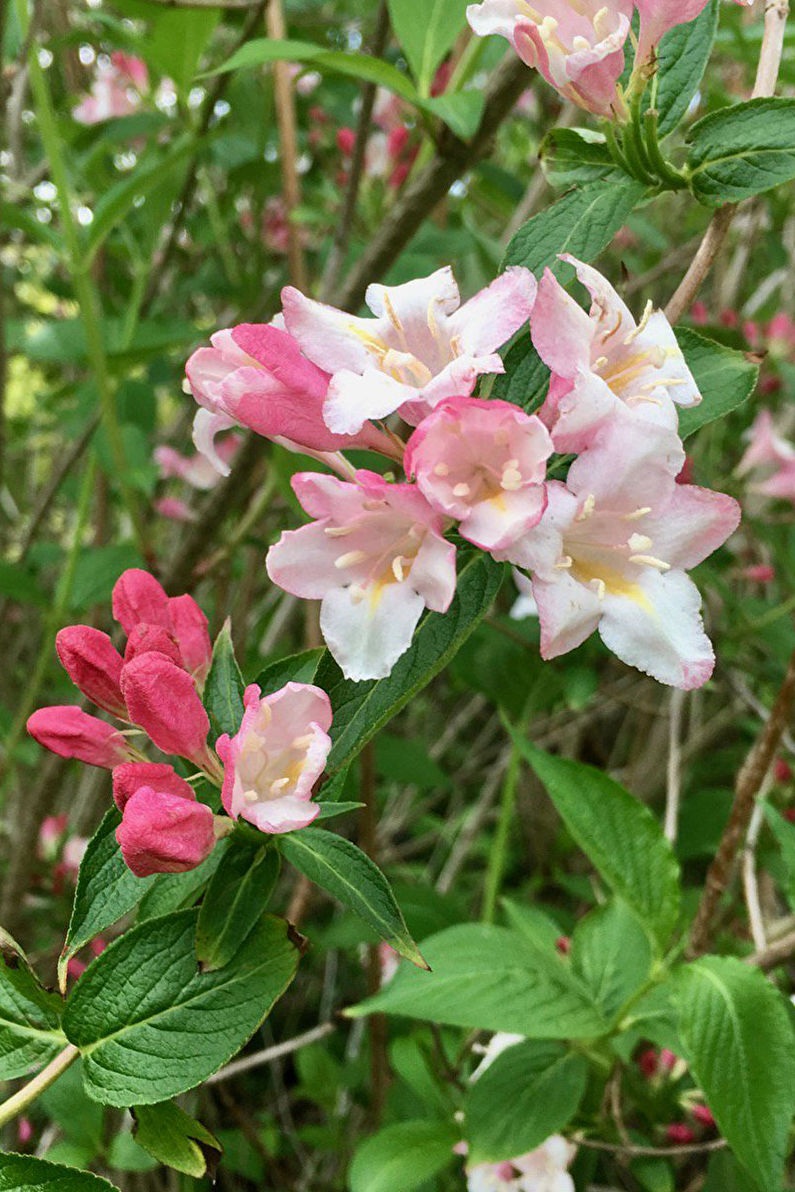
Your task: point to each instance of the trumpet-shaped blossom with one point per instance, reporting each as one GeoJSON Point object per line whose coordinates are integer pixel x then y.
{"type": "Point", "coordinates": [766, 446]}
{"type": "Point", "coordinates": [658, 16]}
{"type": "Point", "coordinates": [163, 832]}
{"type": "Point", "coordinates": [375, 556]}
{"type": "Point", "coordinates": [276, 757]}
{"type": "Point", "coordinates": [605, 365]}
{"type": "Point", "coordinates": [254, 375]}
{"type": "Point", "coordinates": [543, 1170]}
{"type": "Point", "coordinates": [159, 777]}
{"type": "Point", "coordinates": [482, 463]}
{"type": "Point", "coordinates": [138, 599]}
{"type": "Point", "coordinates": [162, 700]}
{"type": "Point", "coordinates": [70, 732]}
{"type": "Point", "coordinates": [577, 47]}
{"type": "Point", "coordinates": [612, 552]}
{"type": "Point", "coordinates": [93, 664]}
{"type": "Point", "coordinates": [196, 470]}
{"type": "Point", "coordinates": [420, 348]}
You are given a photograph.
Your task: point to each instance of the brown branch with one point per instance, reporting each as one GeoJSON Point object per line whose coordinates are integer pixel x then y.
{"type": "Point", "coordinates": [774, 954]}
{"type": "Point", "coordinates": [749, 780]}
{"type": "Point", "coordinates": [715, 236]}
{"type": "Point", "coordinates": [652, 1152]}
{"type": "Point", "coordinates": [288, 141]}
{"type": "Point", "coordinates": [417, 201]}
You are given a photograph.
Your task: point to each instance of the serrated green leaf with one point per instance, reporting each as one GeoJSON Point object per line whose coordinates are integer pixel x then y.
{"type": "Point", "coordinates": [489, 978]}
{"type": "Point", "coordinates": [223, 690]}
{"type": "Point", "coordinates": [338, 866]}
{"type": "Point", "coordinates": [403, 1156]}
{"type": "Point", "coordinates": [235, 900]}
{"type": "Point", "coordinates": [176, 891]}
{"type": "Point", "coordinates": [682, 56]}
{"type": "Point", "coordinates": [742, 150]}
{"type": "Point", "coordinates": [617, 833]}
{"type": "Point", "coordinates": [150, 1025]}
{"type": "Point", "coordinates": [361, 709]}
{"type": "Point", "coordinates": [295, 668]}
{"type": "Point", "coordinates": [570, 155]}
{"type": "Point", "coordinates": [725, 378]}
{"type": "Point", "coordinates": [176, 1139]}
{"type": "Point", "coordinates": [738, 1042]}
{"type": "Point", "coordinates": [30, 1019]}
{"type": "Point", "coordinates": [531, 1090]}
{"type": "Point", "coordinates": [23, 1173]}
{"type": "Point", "coordinates": [426, 30]}
{"type": "Point", "coordinates": [611, 952]}
{"type": "Point", "coordinates": [526, 378]}
{"type": "Point", "coordinates": [582, 223]}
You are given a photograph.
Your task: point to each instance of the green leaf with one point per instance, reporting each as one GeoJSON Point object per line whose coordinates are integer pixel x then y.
{"type": "Point", "coordinates": [492, 979]}
{"type": "Point", "coordinates": [236, 897]}
{"type": "Point", "coordinates": [177, 38]}
{"type": "Point", "coordinates": [526, 378]}
{"type": "Point", "coordinates": [784, 833]}
{"type": "Point", "coordinates": [738, 1042]}
{"type": "Point", "coordinates": [361, 709]}
{"type": "Point", "coordinates": [617, 833]}
{"type": "Point", "coordinates": [726, 1175]}
{"type": "Point", "coordinates": [296, 668]}
{"type": "Point", "coordinates": [176, 1139]}
{"type": "Point", "coordinates": [175, 891]}
{"type": "Point", "coordinates": [426, 30]}
{"type": "Point", "coordinates": [610, 951]}
{"type": "Point", "coordinates": [223, 691]}
{"type": "Point", "coordinates": [402, 1157]}
{"type": "Point", "coordinates": [106, 890]}
{"type": "Point", "coordinates": [459, 110]}
{"type": "Point", "coordinates": [150, 1025]}
{"type": "Point", "coordinates": [725, 379]}
{"type": "Point", "coordinates": [582, 222]}
{"type": "Point", "coordinates": [331, 810]}
{"type": "Point", "coordinates": [742, 150]}
{"type": "Point", "coordinates": [682, 57]}
{"type": "Point", "coordinates": [23, 1173]}
{"type": "Point", "coordinates": [530, 1091]}
{"type": "Point", "coordinates": [30, 1018]}
{"type": "Point", "coordinates": [338, 866]}
{"type": "Point", "coordinates": [570, 155]}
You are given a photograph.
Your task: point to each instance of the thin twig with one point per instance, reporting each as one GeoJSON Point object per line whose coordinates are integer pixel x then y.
{"type": "Point", "coordinates": [750, 883]}
{"type": "Point", "coordinates": [674, 783]}
{"type": "Point", "coordinates": [774, 954]}
{"type": "Point", "coordinates": [652, 1152]}
{"type": "Point", "coordinates": [35, 1087]}
{"type": "Point", "coordinates": [288, 143]}
{"type": "Point", "coordinates": [277, 1052]}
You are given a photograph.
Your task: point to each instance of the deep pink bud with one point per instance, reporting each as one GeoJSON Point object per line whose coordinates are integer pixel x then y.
{"type": "Point", "coordinates": [163, 833]}
{"type": "Point", "coordinates": [563, 944]}
{"type": "Point", "coordinates": [679, 1134]}
{"type": "Point", "coordinates": [396, 141]}
{"type": "Point", "coordinates": [163, 701]}
{"type": "Point", "coordinates": [137, 596]}
{"type": "Point", "coordinates": [24, 1131]}
{"type": "Point", "coordinates": [782, 770]}
{"type": "Point", "coordinates": [93, 664]}
{"type": "Point", "coordinates": [648, 1062]}
{"type": "Point", "coordinates": [346, 139]}
{"type": "Point", "coordinates": [667, 1059]}
{"type": "Point", "coordinates": [157, 776]}
{"type": "Point", "coordinates": [189, 626]}
{"type": "Point", "coordinates": [70, 732]}
{"type": "Point", "coordinates": [145, 638]}
{"type": "Point", "coordinates": [703, 1114]}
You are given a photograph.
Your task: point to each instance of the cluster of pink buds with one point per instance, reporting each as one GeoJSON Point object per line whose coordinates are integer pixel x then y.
{"type": "Point", "coordinates": [607, 550]}
{"type": "Point", "coordinates": [578, 45]}
{"type": "Point", "coordinates": [268, 769]}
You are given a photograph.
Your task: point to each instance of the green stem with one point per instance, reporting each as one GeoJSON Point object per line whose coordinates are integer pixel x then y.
{"type": "Point", "coordinates": [615, 149]}
{"type": "Point", "coordinates": [496, 869]}
{"type": "Point", "coordinates": [664, 170]}
{"type": "Point", "coordinates": [634, 147]}
{"type": "Point", "coordinates": [34, 1088]}
{"type": "Point", "coordinates": [85, 290]}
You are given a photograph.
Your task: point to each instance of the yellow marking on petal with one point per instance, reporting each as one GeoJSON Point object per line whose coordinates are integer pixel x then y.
{"type": "Point", "coordinates": [608, 580]}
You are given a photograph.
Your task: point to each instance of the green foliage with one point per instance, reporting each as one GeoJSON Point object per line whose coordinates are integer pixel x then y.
{"type": "Point", "coordinates": [175, 1138]}
{"type": "Point", "coordinates": [150, 1025]}
{"type": "Point", "coordinates": [573, 155]}
{"type": "Point", "coordinates": [426, 32]}
{"type": "Point", "coordinates": [403, 1157]}
{"type": "Point", "coordinates": [742, 150]}
{"type": "Point", "coordinates": [223, 690]}
{"type": "Point", "coordinates": [30, 1017]}
{"type": "Point", "coordinates": [682, 56]}
{"type": "Point", "coordinates": [612, 955]}
{"type": "Point", "coordinates": [236, 897]}
{"type": "Point", "coordinates": [338, 866]}
{"type": "Point", "coordinates": [23, 1173]}
{"type": "Point", "coordinates": [725, 378]}
{"type": "Point", "coordinates": [296, 668]}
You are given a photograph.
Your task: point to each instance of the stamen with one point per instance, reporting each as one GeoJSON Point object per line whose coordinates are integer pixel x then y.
{"type": "Point", "coordinates": [250, 797]}
{"type": "Point", "coordinates": [461, 490]}
{"type": "Point", "coordinates": [588, 506]}
{"type": "Point", "coordinates": [580, 43]}
{"type": "Point", "coordinates": [640, 542]}
{"type": "Point", "coordinates": [350, 559]}
{"type": "Point", "coordinates": [641, 327]}
{"type": "Point", "coordinates": [641, 511]}
{"type": "Point", "coordinates": [391, 314]}
{"type": "Point", "coordinates": [600, 362]}
{"type": "Point", "coordinates": [338, 531]}
{"type": "Point", "coordinates": [279, 785]}
{"type": "Point", "coordinates": [644, 397]}
{"type": "Point", "coordinates": [441, 470]}
{"type": "Point", "coordinates": [302, 742]}
{"type": "Point", "coordinates": [650, 561]}
{"type": "Point", "coordinates": [611, 332]}
{"type": "Point", "coordinates": [564, 563]}
{"type": "Point", "coordinates": [397, 568]}
{"type": "Point", "coordinates": [600, 587]}
{"type": "Point", "coordinates": [372, 506]}
{"type": "Point", "coordinates": [512, 479]}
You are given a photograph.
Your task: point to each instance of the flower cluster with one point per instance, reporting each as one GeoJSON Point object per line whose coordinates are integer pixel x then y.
{"type": "Point", "coordinates": [268, 769]}
{"type": "Point", "coordinates": [606, 549]}
{"type": "Point", "coordinates": [116, 90]}
{"type": "Point", "coordinates": [579, 47]}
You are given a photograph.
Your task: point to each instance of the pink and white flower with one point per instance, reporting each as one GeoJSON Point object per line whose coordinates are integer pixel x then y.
{"type": "Point", "coordinates": [484, 464]}
{"type": "Point", "coordinates": [766, 446]}
{"type": "Point", "coordinates": [196, 470]}
{"type": "Point", "coordinates": [254, 375]}
{"type": "Point", "coordinates": [277, 755]}
{"type": "Point", "coordinates": [577, 47]}
{"type": "Point", "coordinates": [605, 365]}
{"type": "Point", "coordinates": [612, 552]}
{"type": "Point", "coordinates": [420, 348]}
{"type": "Point", "coordinates": [115, 91]}
{"type": "Point", "coordinates": [658, 16]}
{"type": "Point", "coordinates": [375, 557]}
{"type": "Point", "coordinates": [543, 1170]}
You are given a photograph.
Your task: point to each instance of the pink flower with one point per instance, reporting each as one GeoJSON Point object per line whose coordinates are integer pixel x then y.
{"type": "Point", "coordinates": [174, 509]}
{"type": "Point", "coordinates": [254, 375]}
{"type": "Point", "coordinates": [612, 551]}
{"type": "Point", "coordinates": [482, 463]}
{"type": "Point", "coordinates": [648, 1062]}
{"type": "Point", "coordinates": [577, 47]}
{"type": "Point", "coordinates": [759, 573]}
{"type": "Point", "coordinates": [138, 599]}
{"type": "Point", "coordinates": [346, 139]}
{"type": "Point", "coordinates": [668, 1059]}
{"type": "Point", "coordinates": [132, 68]}
{"type": "Point", "coordinates": [24, 1131]}
{"type": "Point", "coordinates": [604, 364]}
{"type": "Point", "coordinates": [51, 833]}
{"type": "Point", "coordinates": [93, 664]}
{"type": "Point", "coordinates": [765, 446]}
{"type": "Point", "coordinates": [196, 470]}
{"type": "Point", "coordinates": [163, 701]}
{"type": "Point", "coordinates": [68, 731]}
{"type": "Point", "coordinates": [542, 1170]}
{"type": "Point", "coordinates": [704, 1115]}
{"type": "Point", "coordinates": [678, 1134]}
{"type": "Point", "coordinates": [156, 776]}
{"type": "Point", "coordinates": [658, 16]}
{"type": "Point", "coordinates": [421, 347]}
{"type": "Point", "coordinates": [388, 961]}
{"type": "Point", "coordinates": [782, 770]}
{"type": "Point", "coordinates": [114, 90]}
{"type": "Point", "coordinates": [164, 833]}
{"type": "Point", "coordinates": [276, 757]}
{"type": "Point", "coordinates": [375, 557]}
